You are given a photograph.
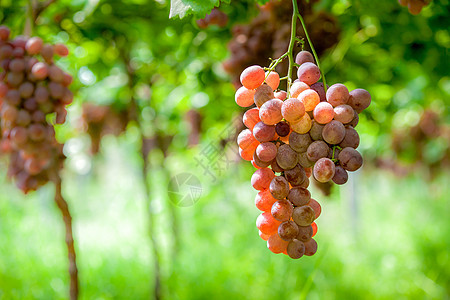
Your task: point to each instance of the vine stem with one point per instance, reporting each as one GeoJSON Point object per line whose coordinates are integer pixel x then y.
{"type": "Point", "coordinates": [310, 45]}
{"type": "Point", "coordinates": [64, 208]}
{"type": "Point", "coordinates": [291, 45]}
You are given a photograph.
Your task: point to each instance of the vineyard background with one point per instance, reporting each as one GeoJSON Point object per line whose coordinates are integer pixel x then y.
{"type": "Point", "coordinates": [386, 234]}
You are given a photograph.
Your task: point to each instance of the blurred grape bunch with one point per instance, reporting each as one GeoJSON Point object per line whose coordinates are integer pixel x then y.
{"type": "Point", "coordinates": [414, 6]}
{"type": "Point", "coordinates": [215, 17]}
{"type": "Point", "coordinates": [98, 121]}
{"type": "Point", "coordinates": [268, 35]}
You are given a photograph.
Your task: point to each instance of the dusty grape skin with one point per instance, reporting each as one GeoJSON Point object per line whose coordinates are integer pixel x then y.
{"type": "Point", "coordinates": [316, 207]}
{"type": "Point", "coordinates": [324, 170]}
{"type": "Point", "coordinates": [299, 196]}
{"type": "Point", "coordinates": [286, 157]}
{"type": "Point", "coordinates": [263, 133]}
{"type": "Point", "coordinates": [297, 88]}
{"type": "Point", "coordinates": [252, 77]}
{"type": "Point", "coordinates": [295, 249]}
{"type": "Point", "coordinates": [333, 132]}
{"type": "Point", "coordinates": [267, 151]}
{"type": "Point", "coordinates": [263, 94]}
{"type": "Point", "coordinates": [292, 110]}
{"type": "Point", "coordinates": [273, 80]}
{"type": "Point", "coordinates": [303, 215]}
{"type": "Point", "coordinates": [282, 129]}
{"type": "Point", "coordinates": [280, 95]}
{"type": "Point", "coordinates": [303, 57]}
{"type": "Point", "coordinates": [316, 131]}
{"type": "Point", "coordinates": [305, 233]}
{"type": "Point", "coordinates": [275, 167]}
{"type": "Point", "coordinates": [350, 159]}
{"type": "Point", "coordinates": [309, 73]}
{"type": "Point", "coordinates": [295, 176]}
{"type": "Point", "coordinates": [264, 201]}
{"type": "Point", "coordinates": [310, 99]}
{"type": "Point", "coordinates": [359, 99]}
{"type": "Point", "coordinates": [261, 179]}
{"type": "Point", "coordinates": [310, 247]}
{"type": "Point", "coordinates": [299, 142]}
{"type": "Point", "coordinates": [351, 138]}
{"type": "Point", "coordinates": [337, 94]}
{"type": "Point", "coordinates": [244, 97]}
{"type": "Point", "coordinates": [303, 125]}
{"type": "Point", "coordinates": [317, 150]}
{"type": "Point", "coordinates": [318, 87]}
{"type": "Point", "coordinates": [276, 244]}
{"type": "Point", "coordinates": [245, 139]}
{"type": "Point", "coordinates": [355, 120]}
{"type": "Point", "coordinates": [304, 161]}
{"type": "Point", "coordinates": [340, 175]}
{"type": "Point", "coordinates": [288, 230]}
{"type": "Point", "coordinates": [259, 162]}
{"type": "Point", "coordinates": [343, 113]}
{"type": "Point", "coordinates": [279, 187]}
{"type": "Point", "coordinates": [251, 117]}
{"type": "Point", "coordinates": [324, 113]}
{"type": "Point", "coordinates": [270, 112]}
{"type": "Point", "coordinates": [282, 210]}
{"type": "Point", "coordinates": [267, 224]}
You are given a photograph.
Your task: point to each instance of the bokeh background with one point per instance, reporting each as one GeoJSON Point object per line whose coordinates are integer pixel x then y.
{"type": "Point", "coordinates": [155, 99]}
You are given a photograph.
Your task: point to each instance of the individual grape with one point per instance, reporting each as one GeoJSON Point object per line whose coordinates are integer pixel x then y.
{"type": "Point", "coordinates": [34, 45]}
{"type": "Point", "coordinates": [261, 179]}
{"type": "Point", "coordinates": [23, 118]}
{"type": "Point", "coordinates": [292, 110]}
{"type": "Point", "coordinates": [303, 57]}
{"type": "Point", "coordinates": [310, 99]}
{"type": "Point", "coordinates": [263, 133]}
{"type": "Point", "coordinates": [61, 50]}
{"type": "Point", "coordinates": [317, 150]}
{"type": "Point", "coordinates": [38, 116]}
{"type": "Point", "coordinates": [9, 113]}
{"type": "Point", "coordinates": [47, 53]}
{"type": "Point", "coordinates": [286, 157]}
{"type": "Point", "coordinates": [4, 33]}
{"type": "Point", "coordinates": [337, 94]}
{"type": "Point", "coordinates": [343, 113]}
{"type": "Point", "coordinates": [299, 142]}
{"type": "Point", "coordinates": [252, 77]}
{"type": "Point", "coordinates": [299, 196]}
{"type": "Point", "coordinates": [282, 129]}
{"type": "Point", "coordinates": [305, 233]}
{"type": "Point", "coordinates": [39, 70]}
{"type": "Point", "coordinates": [304, 161]}
{"type": "Point", "coordinates": [316, 131]}
{"type": "Point", "coordinates": [350, 159]}
{"type": "Point", "coordinates": [415, 6]}
{"type": "Point", "coordinates": [314, 227]}
{"type": "Point", "coordinates": [359, 100]}
{"type": "Point", "coordinates": [67, 97]}
{"type": "Point", "coordinates": [303, 125]}
{"type": "Point", "coordinates": [244, 97]}
{"type": "Point", "coordinates": [316, 207]}
{"type": "Point", "coordinates": [56, 90]}
{"type": "Point", "coordinates": [26, 89]}
{"type": "Point", "coordinates": [275, 167]}
{"type": "Point", "coordinates": [264, 201]}
{"type": "Point", "coordinates": [276, 244]}
{"type": "Point", "coordinates": [251, 117]}
{"type": "Point", "coordinates": [270, 112]}
{"type": "Point", "coordinates": [19, 135]}
{"type": "Point", "coordinates": [324, 170]}
{"type": "Point", "coordinates": [267, 151]}
{"type": "Point", "coordinates": [67, 80]}
{"type": "Point", "coordinates": [246, 140]}
{"type": "Point", "coordinates": [355, 120]}
{"type": "Point", "coordinates": [288, 230]}
{"type": "Point", "coordinates": [267, 224]}
{"type": "Point", "coordinates": [351, 138]}
{"type": "Point", "coordinates": [246, 154]}
{"type": "Point", "coordinates": [273, 79]}
{"type": "Point", "coordinates": [340, 175]}
{"type": "Point", "coordinates": [303, 215]}
{"type": "Point", "coordinates": [41, 94]}
{"type": "Point", "coordinates": [297, 88]}
{"type": "Point", "coordinates": [37, 132]}
{"type": "Point", "coordinates": [17, 65]}
{"type": "Point", "coordinates": [310, 247]}
{"type": "Point", "coordinates": [324, 113]}
{"type": "Point", "coordinates": [282, 210]}
{"type": "Point", "coordinates": [12, 97]}
{"type": "Point", "coordinates": [295, 249]}
{"type": "Point", "coordinates": [263, 94]}
{"type": "Point", "coordinates": [15, 79]}
{"type": "Point", "coordinates": [279, 188]}
{"type": "Point", "coordinates": [263, 236]}
{"type": "Point", "coordinates": [305, 184]}
{"type": "Point", "coordinates": [295, 176]}
{"type": "Point", "coordinates": [333, 132]}
{"type": "Point", "coordinates": [320, 90]}
{"type": "Point", "coordinates": [309, 73]}
{"type": "Point", "coordinates": [280, 95]}
{"type": "Point", "coordinates": [257, 163]}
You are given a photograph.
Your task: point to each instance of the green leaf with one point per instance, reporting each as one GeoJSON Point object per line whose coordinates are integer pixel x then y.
{"type": "Point", "coordinates": [182, 8]}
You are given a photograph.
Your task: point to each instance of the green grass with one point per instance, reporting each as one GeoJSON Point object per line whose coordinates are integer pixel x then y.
{"type": "Point", "coordinates": [393, 244]}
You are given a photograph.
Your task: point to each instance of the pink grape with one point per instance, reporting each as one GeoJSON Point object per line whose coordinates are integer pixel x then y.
{"type": "Point", "coordinates": [252, 77]}
{"type": "Point", "coordinates": [270, 112]}
{"type": "Point", "coordinates": [337, 94]}
{"type": "Point", "coordinates": [244, 96]}
{"type": "Point", "coordinates": [310, 99]}
{"type": "Point", "coordinates": [292, 110]}
{"type": "Point", "coordinates": [297, 88]}
{"type": "Point", "coordinates": [273, 79]}
{"type": "Point", "coordinates": [34, 45]}
{"type": "Point", "coordinates": [359, 99]}
{"type": "Point", "coordinates": [303, 57]}
{"type": "Point", "coordinates": [251, 117]}
{"type": "Point", "coordinates": [309, 73]}
{"type": "Point", "coordinates": [261, 179]}
{"type": "Point", "coordinates": [323, 113]}
{"type": "Point", "coordinates": [267, 151]}
{"type": "Point", "coordinates": [343, 113]}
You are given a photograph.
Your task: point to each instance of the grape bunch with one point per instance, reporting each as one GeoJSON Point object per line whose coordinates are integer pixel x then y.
{"type": "Point", "coordinates": [33, 91]}
{"type": "Point", "coordinates": [414, 6]}
{"type": "Point", "coordinates": [290, 137]}
{"type": "Point", "coordinates": [215, 17]}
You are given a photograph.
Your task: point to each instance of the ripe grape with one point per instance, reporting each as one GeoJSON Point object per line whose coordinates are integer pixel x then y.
{"type": "Point", "coordinates": [257, 163]}
{"type": "Point", "coordinates": [299, 196]}
{"type": "Point", "coordinates": [314, 227]}
{"type": "Point", "coordinates": [303, 57]}
{"type": "Point", "coordinates": [317, 150]}
{"type": "Point", "coordinates": [324, 170]}
{"type": "Point", "coordinates": [280, 95]}
{"type": "Point", "coordinates": [261, 178]}
{"type": "Point", "coordinates": [303, 215]}
{"type": "Point", "coordinates": [252, 77]}
{"type": "Point", "coordinates": [310, 247]}
{"type": "Point", "coordinates": [263, 133]}
{"type": "Point", "coordinates": [296, 249]}
{"type": "Point", "coordinates": [263, 236]}
{"type": "Point", "coordinates": [288, 230]}
{"type": "Point", "coordinates": [286, 157]}
{"type": "Point", "coordinates": [304, 161]}
{"type": "Point", "coordinates": [270, 112]}
{"type": "Point", "coordinates": [310, 99]}
{"type": "Point", "coordinates": [299, 142]}
{"type": "Point", "coordinates": [343, 113]}
{"type": "Point", "coordinates": [246, 154]}
{"type": "Point", "coordinates": [61, 50]}
{"type": "Point", "coordinates": [264, 200]}
{"type": "Point", "coordinates": [316, 131]}
{"type": "Point", "coordinates": [319, 88]}
{"type": "Point", "coordinates": [350, 159]}
{"type": "Point", "coordinates": [279, 187]}
{"type": "Point", "coordinates": [355, 120]}
{"type": "Point", "coordinates": [273, 79]}
{"type": "Point", "coordinates": [244, 97]}
{"type": "Point", "coordinates": [297, 88]}
{"type": "Point", "coordinates": [337, 94]}
{"type": "Point", "coordinates": [309, 73]}
{"type": "Point", "coordinates": [282, 210]}
{"type": "Point", "coordinates": [251, 117]}
{"type": "Point", "coordinates": [39, 70]}
{"type": "Point", "coordinates": [282, 129]}
{"type": "Point", "coordinates": [246, 139]}
{"type": "Point", "coordinates": [276, 244]}
{"type": "Point", "coordinates": [266, 152]}
{"type": "Point", "coordinates": [316, 207]}
{"type": "Point", "coordinates": [305, 233]}
{"type": "Point", "coordinates": [340, 175]}
{"type": "Point", "coordinates": [263, 94]}
{"type": "Point", "coordinates": [267, 224]}
{"type": "Point", "coordinates": [333, 132]}
{"type": "Point", "coordinates": [295, 176]}
{"type": "Point", "coordinates": [324, 113]}
{"type": "Point", "coordinates": [292, 110]}
{"type": "Point", "coordinates": [351, 138]}
{"type": "Point", "coordinates": [359, 100]}
{"type": "Point", "coordinates": [303, 125]}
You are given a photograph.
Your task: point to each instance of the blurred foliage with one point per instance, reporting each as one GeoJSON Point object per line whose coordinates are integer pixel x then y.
{"type": "Point", "coordinates": [175, 67]}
